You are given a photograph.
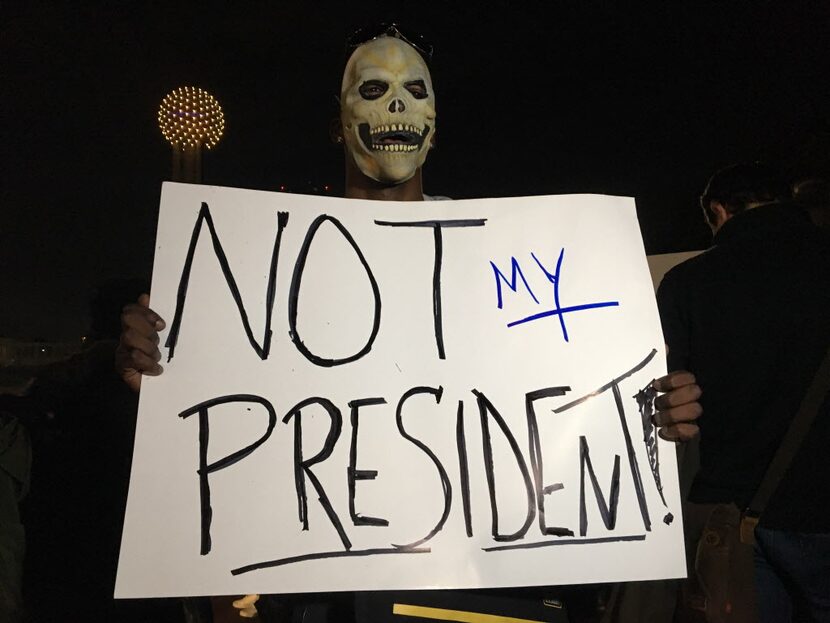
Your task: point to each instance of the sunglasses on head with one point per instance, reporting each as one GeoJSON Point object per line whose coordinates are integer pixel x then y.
{"type": "Point", "coordinates": [364, 35]}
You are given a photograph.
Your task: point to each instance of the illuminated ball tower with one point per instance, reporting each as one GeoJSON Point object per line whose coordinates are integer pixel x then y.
{"type": "Point", "coordinates": [190, 118]}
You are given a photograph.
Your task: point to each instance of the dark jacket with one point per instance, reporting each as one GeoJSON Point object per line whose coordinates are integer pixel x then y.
{"type": "Point", "coordinates": [750, 318]}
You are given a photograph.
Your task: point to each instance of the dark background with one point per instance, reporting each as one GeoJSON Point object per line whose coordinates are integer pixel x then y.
{"type": "Point", "coordinates": [534, 98]}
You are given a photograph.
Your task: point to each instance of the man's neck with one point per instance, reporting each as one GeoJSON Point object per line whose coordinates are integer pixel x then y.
{"type": "Point", "coordinates": [358, 186]}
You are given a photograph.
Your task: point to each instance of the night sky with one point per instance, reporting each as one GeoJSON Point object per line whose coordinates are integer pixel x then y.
{"type": "Point", "coordinates": [540, 98]}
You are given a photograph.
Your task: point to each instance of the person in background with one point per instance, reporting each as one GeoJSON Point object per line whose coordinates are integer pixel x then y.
{"type": "Point", "coordinates": [79, 418]}
{"type": "Point", "coordinates": [749, 318]}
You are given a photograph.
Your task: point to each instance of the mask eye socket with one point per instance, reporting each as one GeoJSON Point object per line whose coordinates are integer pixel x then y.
{"type": "Point", "coordinates": [418, 89]}
{"type": "Point", "coordinates": [372, 89]}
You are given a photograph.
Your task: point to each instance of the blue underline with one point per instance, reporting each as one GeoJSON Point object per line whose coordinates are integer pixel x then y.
{"type": "Point", "coordinates": [563, 310]}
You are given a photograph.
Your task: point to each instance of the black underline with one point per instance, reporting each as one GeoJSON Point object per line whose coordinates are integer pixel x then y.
{"type": "Point", "coordinates": [605, 539]}
{"type": "Point", "coordinates": [470, 222]}
{"type": "Point", "coordinates": [322, 555]}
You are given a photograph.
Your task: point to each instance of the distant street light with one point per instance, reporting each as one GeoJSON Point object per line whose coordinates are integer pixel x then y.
{"type": "Point", "coordinates": [190, 118]}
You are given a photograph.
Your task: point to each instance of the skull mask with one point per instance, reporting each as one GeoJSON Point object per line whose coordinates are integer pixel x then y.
{"type": "Point", "coordinates": [387, 109]}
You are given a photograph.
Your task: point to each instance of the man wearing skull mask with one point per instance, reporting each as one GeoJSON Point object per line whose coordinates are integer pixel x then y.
{"type": "Point", "coordinates": [387, 127]}
{"type": "Point", "coordinates": [387, 119]}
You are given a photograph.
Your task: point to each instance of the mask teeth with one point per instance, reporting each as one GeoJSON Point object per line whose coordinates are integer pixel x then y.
{"type": "Point", "coordinates": [397, 127]}
{"type": "Point", "coordinates": [397, 148]}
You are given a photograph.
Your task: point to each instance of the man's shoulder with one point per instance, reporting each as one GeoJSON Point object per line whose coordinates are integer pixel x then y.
{"type": "Point", "coordinates": [693, 268]}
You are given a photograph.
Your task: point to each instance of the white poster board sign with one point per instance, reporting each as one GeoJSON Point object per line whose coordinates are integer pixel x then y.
{"type": "Point", "coordinates": [366, 395]}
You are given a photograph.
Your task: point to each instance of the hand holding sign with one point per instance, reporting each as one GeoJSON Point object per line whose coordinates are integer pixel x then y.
{"type": "Point", "coordinates": [138, 351]}
{"type": "Point", "coordinates": [678, 408]}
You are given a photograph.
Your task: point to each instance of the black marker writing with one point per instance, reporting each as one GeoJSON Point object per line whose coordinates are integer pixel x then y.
{"type": "Point", "coordinates": [302, 467]}
{"type": "Point", "coordinates": [294, 294]}
{"type": "Point", "coordinates": [205, 468]}
{"type": "Point", "coordinates": [445, 481]}
{"type": "Point", "coordinates": [645, 401]}
{"type": "Point", "coordinates": [175, 327]}
{"type": "Point", "coordinates": [354, 474]}
{"type": "Point", "coordinates": [486, 411]}
{"type": "Point", "coordinates": [608, 511]}
{"type": "Point", "coordinates": [532, 476]}
{"type": "Point", "coordinates": [437, 226]}
{"type": "Point", "coordinates": [536, 462]}
{"type": "Point", "coordinates": [632, 458]}
{"type": "Point", "coordinates": [463, 468]}
{"type": "Point", "coordinates": [560, 542]}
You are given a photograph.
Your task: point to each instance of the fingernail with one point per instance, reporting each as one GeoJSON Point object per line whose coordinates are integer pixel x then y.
{"type": "Point", "coordinates": [160, 325]}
